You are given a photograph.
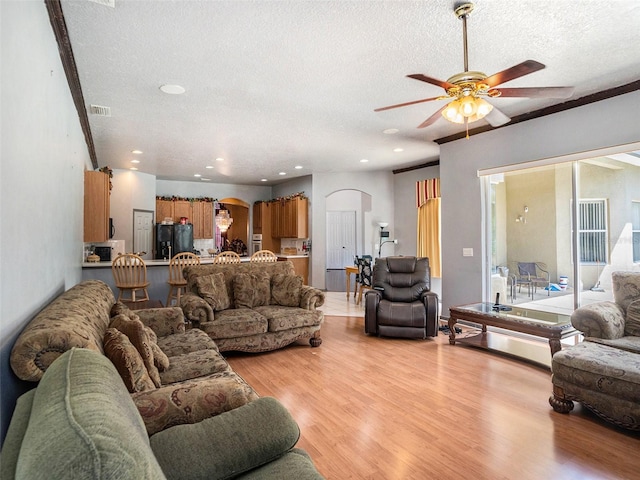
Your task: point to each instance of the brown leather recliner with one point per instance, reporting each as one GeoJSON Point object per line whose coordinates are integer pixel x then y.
{"type": "Point", "coordinates": [400, 304]}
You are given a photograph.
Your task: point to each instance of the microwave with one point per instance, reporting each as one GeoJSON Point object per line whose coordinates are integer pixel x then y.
{"type": "Point", "coordinates": [104, 253]}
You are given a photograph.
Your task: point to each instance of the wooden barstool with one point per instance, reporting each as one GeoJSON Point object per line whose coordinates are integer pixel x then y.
{"type": "Point", "coordinates": [227, 257]}
{"type": "Point", "coordinates": [130, 274]}
{"type": "Point", "coordinates": [262, 256]}
{"type": "Point", "coordinates": [177, 282]}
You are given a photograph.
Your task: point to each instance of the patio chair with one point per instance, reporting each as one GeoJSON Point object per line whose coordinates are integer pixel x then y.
{"type": "Point", "coordinates": [533, 274]}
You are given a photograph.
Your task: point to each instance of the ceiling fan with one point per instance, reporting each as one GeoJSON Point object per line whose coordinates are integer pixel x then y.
{"type": "Point", "coordinates": [467, 89]}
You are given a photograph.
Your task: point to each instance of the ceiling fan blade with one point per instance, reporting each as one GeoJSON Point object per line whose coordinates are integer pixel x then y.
{"type": "Point", "coordinates": [432, 118]}
{"type": "Point", "coordinates": [520, 70]}
{"type": "Point", "coordinates": [496, 118]}
{"type": "Point", "coordinates": [405, 104]}
{"type": "Point", "coordinates": [537, 92]}
{"type": "Point", "coordinates": [432, 81]}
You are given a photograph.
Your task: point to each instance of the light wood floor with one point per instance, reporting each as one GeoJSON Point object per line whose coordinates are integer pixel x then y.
{"type": "Point", "coordinates": [382, 408]}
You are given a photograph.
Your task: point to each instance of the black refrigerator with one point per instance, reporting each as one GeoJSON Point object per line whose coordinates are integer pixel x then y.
{"type": "Point", "coordinates": [172, 239]}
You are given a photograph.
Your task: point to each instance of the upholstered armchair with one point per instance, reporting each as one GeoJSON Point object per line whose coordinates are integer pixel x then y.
{"type": "Point", "coordinates": [603, 371]}
{"type": "Point", "coordinates": [401, 303]}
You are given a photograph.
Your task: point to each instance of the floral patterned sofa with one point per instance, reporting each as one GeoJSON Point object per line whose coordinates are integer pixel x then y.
{"type": "Point", "coordinates": [252, 307]}
{"type": "Point", "coordinates": [175, 376]}
{"type": "Point", "coordinates": [603, 371]}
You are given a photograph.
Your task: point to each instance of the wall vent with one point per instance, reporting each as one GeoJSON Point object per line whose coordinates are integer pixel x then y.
{"type": "Point", "coordinates": [106, 3]}
{"type": "Point", "coordinates": [100, 110]}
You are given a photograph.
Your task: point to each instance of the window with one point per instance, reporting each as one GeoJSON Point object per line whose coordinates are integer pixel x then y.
{"type": "Point", "coordinates": [635, 227]}
{"type": "Point", "coordinates": [592, 229]}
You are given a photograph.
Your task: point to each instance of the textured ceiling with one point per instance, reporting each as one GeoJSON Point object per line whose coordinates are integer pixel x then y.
{"type": "Point", "coordinates": [275, 84]}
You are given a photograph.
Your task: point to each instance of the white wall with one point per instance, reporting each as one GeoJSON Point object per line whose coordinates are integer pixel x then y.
{"type": "Point", "coordinates": [379, 185]}
{"type": "Point", "coordinates": [131, 191]}
{"type": "Point", "coordinates": [406, 214]}
{"type": "Point", "coordinates": [603, 124]}
{"type": "Point", "coordinates": [41, 180]}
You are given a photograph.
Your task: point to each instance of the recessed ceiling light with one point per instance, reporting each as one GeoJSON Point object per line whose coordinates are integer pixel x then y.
{"type": "Point", "coordinates": [263, 179]}
{"type": "Point", "coordinates": [298, 167]}
{"type": "Point", "coordinates": [219, 159]}
{"type": "Point", "coordinates": [390, 131]}
{"type": "Point", "coordinates": [364, 160]}
{"type": "Point", "coordinates": [133, 168]}
{"type": "Point", "coordinates": [197, 175]}
{"type": "Point", "coordinates": [205, 179]}
{"type": "Point", "coordinates": [135, 161]}
{"type": "Point", "coordinates": [282, 173]}
{"type": "Point", "coordinates": [398, 150]}
{"type": "Point", "coordinates": [209, 166]}
{"type": "Point", "coordinates": [172, 89]}
{"type": "Point", "coordinates": [136, 152]}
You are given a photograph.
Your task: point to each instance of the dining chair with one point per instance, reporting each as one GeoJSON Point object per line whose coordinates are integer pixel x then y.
{"type": "Point", "coordinates": [227, 257]}
{"type": "Point", "coordinates": [364, 275]}
{"type": "Point", "coordinates": [263, 256]}
{"type": "Point", "coordinates": [177, 282]}
{"type": "Point", "coordinates": [130, 275]}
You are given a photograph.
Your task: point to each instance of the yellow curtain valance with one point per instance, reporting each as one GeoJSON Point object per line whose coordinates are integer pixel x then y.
{"type": "Point", "coordinates": [426, 190]}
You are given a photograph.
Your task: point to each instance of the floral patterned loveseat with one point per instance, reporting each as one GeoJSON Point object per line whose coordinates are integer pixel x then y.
{"type": "Point", "coordinates": [252, 307]}
{"type": "Point", "coordinates": [175, 376]}
{"type": "Point", "coordinates": [603, 371]}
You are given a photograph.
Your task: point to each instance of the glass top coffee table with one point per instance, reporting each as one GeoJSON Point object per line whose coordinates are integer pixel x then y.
{"type": "Point", "coordinates": [552, 326]}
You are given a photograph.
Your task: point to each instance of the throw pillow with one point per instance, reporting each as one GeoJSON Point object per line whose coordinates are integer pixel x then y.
{"type": "Point", "coordinates": [286, 290]}
{"type": "Point", "coordinates": [252, 289]}
{"type": "Point", "coordinates": [632, 322]}
{"type": "Point", "coordinates": [134, 330]}
{"type": "Point", "coordinates": [119, 308]}
{"type": "Point", "coordinates": [127, 361]}
{"type": "Point", "coordinates": [160, 358]}
{"type": "Point", "coordinates": [213, 289]}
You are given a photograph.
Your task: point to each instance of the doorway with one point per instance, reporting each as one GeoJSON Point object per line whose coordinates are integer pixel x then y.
{"type": "Point", "coordinates": [341, 247]}
{"type": "Point", "coordinates": [143, 233]}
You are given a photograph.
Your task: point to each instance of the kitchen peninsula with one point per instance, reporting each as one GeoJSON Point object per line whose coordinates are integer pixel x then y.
{"type": "Point", "coordinates": [158, 273]}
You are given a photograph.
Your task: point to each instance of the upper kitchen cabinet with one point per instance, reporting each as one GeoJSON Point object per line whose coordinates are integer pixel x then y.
{"type": "Point", "coordinates": [202, 219]}
{"type": "Point", "coordinates": [96, 206]}
{"type": "Point", "coordinates": [199, 213]}
{"type": "Point", "coordinates": [289, 218]}
{"type": "Point", "coordinates": [182, 208]}
{"type": "Point", "coordinates": [164, 209]}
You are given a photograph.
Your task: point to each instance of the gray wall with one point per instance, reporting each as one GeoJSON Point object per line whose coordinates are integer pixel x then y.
{"type": "Point", "coordinates": [608, 123]}
{"type": "Point", "coordinates": [41, 180]}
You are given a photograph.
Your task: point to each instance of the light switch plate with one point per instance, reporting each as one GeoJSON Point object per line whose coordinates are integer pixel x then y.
{"type": "Point", "coordinates": [467, 252]}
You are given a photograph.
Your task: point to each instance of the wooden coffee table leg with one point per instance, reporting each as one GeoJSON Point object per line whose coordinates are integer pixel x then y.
{"type": "Point", "coordinates": [452, 329]}
{"type": "Point", "coordinates": [555, 345]}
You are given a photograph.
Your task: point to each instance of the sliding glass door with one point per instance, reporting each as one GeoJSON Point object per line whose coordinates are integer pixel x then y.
{"type": "Point", "coordinates": [556, 232]}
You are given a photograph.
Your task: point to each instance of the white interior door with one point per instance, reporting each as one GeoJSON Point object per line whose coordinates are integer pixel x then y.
{"type": "Point", "coordinates": [341, 239]}
{"type": "Point", "coordinates": [143, 233]}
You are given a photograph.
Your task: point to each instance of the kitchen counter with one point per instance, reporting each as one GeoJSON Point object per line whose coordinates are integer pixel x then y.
{"type": "Point", "coordinates": [282, 255]}
{"type": "Point", "coordinates": [204, 260]}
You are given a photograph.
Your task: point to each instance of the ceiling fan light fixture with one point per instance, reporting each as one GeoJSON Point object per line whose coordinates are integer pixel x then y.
{"type": "Point", "coordinates": [469, 108]}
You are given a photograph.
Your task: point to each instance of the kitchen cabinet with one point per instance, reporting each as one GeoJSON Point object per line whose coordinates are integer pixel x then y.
{"type": "Point", "coordinates": [199, 213]}
{"type": "Point", "coordinates": [96, 206]}
{"type": "Point", "coordinates": [181, 208]}
{"type": "Point", "coordinates": [257, 217]}
{"type": "Point", "coordinates": [164, 209]}
{"type": "Point", "coordinates": [300, 266]}
{"type": "Point", "coordinates": [202, 219]}
{"type": "Point", "coordinates": [263, 211]}
{"type": "Point", "coordinates": [289, 218]}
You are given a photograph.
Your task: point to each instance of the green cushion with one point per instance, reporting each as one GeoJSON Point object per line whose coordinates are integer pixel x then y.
{"type": "Point", "coordinates": [294, 464]}
{"type": "Point", "coordinates": [228, 444]}
{"type": "Point", "coordinates": [84, 424]}
{"type": "Point", "coordinates": [15, 434]}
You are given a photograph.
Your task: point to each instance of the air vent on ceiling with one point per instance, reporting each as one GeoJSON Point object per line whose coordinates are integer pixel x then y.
{"type": "Point", "coordinates": [106, 3]}
{"type": "Point", "coordinates": [100, 110]}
